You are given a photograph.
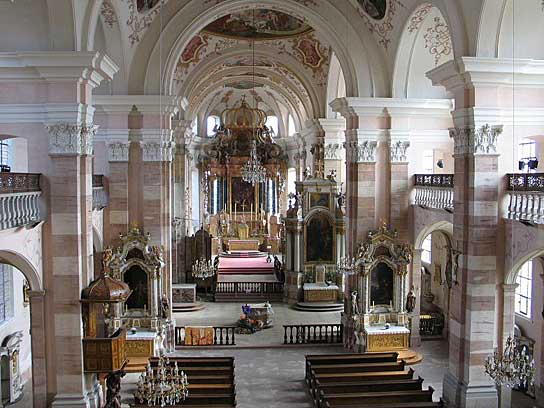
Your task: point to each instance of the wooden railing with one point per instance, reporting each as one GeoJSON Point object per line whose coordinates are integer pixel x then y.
{"type": "Point", "coordinates": [238, 288]}
{"type": "Point", "coordinates": [434, 191]}
{"type": "Point", "coordinates": [434, 180]}
{"type": "Point", "coordinates": [525, 182]}
{"type": "Point", "coordinates": [98, 180]}
{"type": "Point", "coordinates": [19, 182]}
{"type": "Point", "coordinates": [19, 199]}
{"type": "Point", "coordinates": [312, 333]}
{"type": "Point", "coordinates": [526, 197]}
{"type": "Point", "coordinates": [222, 336]}
{"type": "Point", "coordinates": [100, 195]}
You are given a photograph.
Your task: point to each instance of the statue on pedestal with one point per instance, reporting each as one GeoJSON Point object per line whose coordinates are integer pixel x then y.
{"type": "Point", "coordinates": [354, 303]}
{"type": "Point", "coordinates": [410, 301]}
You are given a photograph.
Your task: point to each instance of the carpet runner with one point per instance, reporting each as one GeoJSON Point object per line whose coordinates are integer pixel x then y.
{"type": "Point", "coordinates": [243, 265]}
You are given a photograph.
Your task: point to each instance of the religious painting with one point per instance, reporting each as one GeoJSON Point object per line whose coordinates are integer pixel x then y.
{"type": "Point", "coordinates": [258, 24]}
{"type": "Point", "coordinates": [381, 285]}
{"type": "Point", "coordinates": [146, 5]}
{"type": "Point", "coordinates": [244, 85]}
{"type": "Point", "coordinates": [319, 200]}
{"type": "Point", "coordinates": [243, 195]}
{"type": "Point", "coordinates": [191, 50]}
{"type": "Point", "coordinates": [136, 279]}
{"type": "Point", "coordinates": [319, 239]}
{"type": "Point", "coordinates": [374, 8]}
{"type": "Point", "coordinates": [309, 49]}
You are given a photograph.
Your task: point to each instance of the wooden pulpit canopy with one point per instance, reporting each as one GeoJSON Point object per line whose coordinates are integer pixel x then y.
{"type": "Point", "coordinates": [106, 289]}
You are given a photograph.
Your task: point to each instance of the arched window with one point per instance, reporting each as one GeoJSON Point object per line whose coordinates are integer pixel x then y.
{"type": "Point", "coordinates": [524, 290]}
{"type": "Point", "coordinates": [272, 123]}
{"type": "Point", "coordinates": [211, 124]}
{"type": "Point", "coordinates": [291, 126]}
{"type": "Point", "coordinates": [291, 178]}
{"type": "Point", "coordinates": [5, 153]}
{"type": "Point", "coordinates": [426, 248]}
{"type": "Point", "coordinates": [527, 156]}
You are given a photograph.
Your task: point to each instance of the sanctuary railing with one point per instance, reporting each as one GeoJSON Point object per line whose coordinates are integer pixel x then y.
{"type": "Point", "coordinates": [240, 289]}
{"type": "Point", "coordinates": [434, 191]}
{"type": "Point", "coordinates": [312, 333]}
{"type": "Point", "coordinates": [222, 336]}
{"type": "Point", "coordinates": [100, 195]}
{"type": "Point", "coordinates": [526, 197]}
{"type": "Point", "coordinates": [19, 199]}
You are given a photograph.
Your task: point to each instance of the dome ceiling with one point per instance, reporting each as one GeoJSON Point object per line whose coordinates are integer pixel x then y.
{"type": "Point", "coordinates": [258, 24]}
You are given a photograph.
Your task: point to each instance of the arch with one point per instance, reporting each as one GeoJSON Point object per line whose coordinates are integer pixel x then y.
{"type": "Point", "coordinates": [20, 262]}
{"type": "Point", "coordinates": [361, 63]}
{"type": "Point", "coordinates": [445, 227]}
{"type": "Point", "coordinates": [512, 274]}
{"type": "Point", "coordinates": [336, 85]}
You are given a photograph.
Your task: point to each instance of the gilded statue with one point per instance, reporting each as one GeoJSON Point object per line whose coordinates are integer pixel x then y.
{"type": "Point", "coordinates": [107, 256]}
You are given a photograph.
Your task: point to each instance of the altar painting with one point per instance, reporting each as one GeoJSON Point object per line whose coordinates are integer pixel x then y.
{"type": "Point", "coordinates": [319, 239]}
{"type": "Point", "coordinates": [381, 285]}
{"type": "Point", "coordinates": [243, 195]}
{"type": "Point", "coordinates": [319, 200]}
{"type": "Point", "coordinates": [136, 279]}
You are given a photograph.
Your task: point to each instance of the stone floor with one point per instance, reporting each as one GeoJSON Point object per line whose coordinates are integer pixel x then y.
{"type": "Point", "coordinates": [269, 375]}
{"type": "Point", "coordinates": [227, 314]}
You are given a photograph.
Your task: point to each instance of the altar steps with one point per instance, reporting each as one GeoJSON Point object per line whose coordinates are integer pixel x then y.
{"type": "Point", "coordinates": [249, 297]}
{"type": "Point", "coordinates": [318, 307]}
{"type": "Point", "coordinates": [243, 254]}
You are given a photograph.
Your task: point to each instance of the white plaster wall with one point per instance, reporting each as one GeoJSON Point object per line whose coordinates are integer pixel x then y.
{"type": "Point", "coordinates": [19, 152]}
{"type": "Point", "coordinates": [19, 322]}
{"type": "Point", "coordinates": [522, 30]}
{"type": "Point", "coordinates": [532, 328]}
{"type": "Point", "coordinates": [24, 25]}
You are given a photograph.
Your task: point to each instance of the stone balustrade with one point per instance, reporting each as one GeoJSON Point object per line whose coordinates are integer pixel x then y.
{"type": "Point", "coordinates": [100, 195]}
{"type": "Point", "coordinates": [20, 196]}
{"type": "Point", "coordinates": [526, 197]}
{"type": "Point", "coordinates": [434, 191]}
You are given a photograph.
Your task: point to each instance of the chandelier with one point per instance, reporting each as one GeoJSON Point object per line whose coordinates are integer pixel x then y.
{"type": "Point", "coordinates": [203, 269]}
{"type": "Point", "coordinates": [253, 171]}
{"type": "Point", "coordinates": [163, 386]}
{"type": "Point", "coordinates": [512, 367]}
{"type": "Point", "coordinates": [346, 266]}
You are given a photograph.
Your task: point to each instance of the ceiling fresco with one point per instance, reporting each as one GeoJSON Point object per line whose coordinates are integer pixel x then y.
{"type": "Point", "coordinates": [258, 24]}
{"type": "Point", "coordinates": [376, 9]}
{"type": "Point", "coordinates": [145, 5]}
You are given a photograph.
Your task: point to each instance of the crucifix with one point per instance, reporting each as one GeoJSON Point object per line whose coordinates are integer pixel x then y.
{"type": "Point", "coordinates": [244, 205]}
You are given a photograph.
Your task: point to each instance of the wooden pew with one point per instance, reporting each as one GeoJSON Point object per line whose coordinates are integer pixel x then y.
{"type": "Point", "coordinates": [328, 359]}
{"type": "Point", "coordinates": [211, 381]}
{"type": "Point", "coordinates": [371, 399]}
{"type": "Point", "coordinates": [358, 367]}
{"type": "Point", "coordinates": [401, 405]}
{"type": "Point", "coordinates": [359, 377]}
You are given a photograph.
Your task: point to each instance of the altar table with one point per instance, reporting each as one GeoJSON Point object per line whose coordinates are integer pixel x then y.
{"type": "Point", "coordinates": [377, 338]}
{"type": "Point", "coordinates": [320, 292]}
{"type": "Point", "coordinates": [243, 244]}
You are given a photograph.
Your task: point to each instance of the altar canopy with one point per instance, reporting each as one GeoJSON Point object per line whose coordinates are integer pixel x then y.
{"type": "Point", "coordinates": [243, 214]}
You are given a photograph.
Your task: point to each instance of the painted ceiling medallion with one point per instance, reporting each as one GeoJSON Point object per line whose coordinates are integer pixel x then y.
{"type": "Point", "coordinates": [145, 5]}
{"type": "Point", "coordinates": [190, 52]}
{"type": "Point", "coordinates": [260, 24]}
{"type": "Point", "coordinates": [309, 50]}
{"type": "Point", "coordinates": [244, 85]}
{"type": "Point", "coordinates": [375, 9]}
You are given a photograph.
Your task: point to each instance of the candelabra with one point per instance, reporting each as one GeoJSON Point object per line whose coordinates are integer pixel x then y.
{"type": "Point", "coordinates": [346, 266]}
{"type": "Point", "coordinates": [253, 171]}
{"type": "Point", "coordinates": [511, 367]}
{"type": "Point", "coordinates": [203, 269]}
{"type": "Point", "coordinates": [163, 386]}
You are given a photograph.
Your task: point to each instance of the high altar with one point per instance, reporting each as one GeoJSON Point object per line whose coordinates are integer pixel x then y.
{"type": "Point", "coordinates": [243, 216]}
{"type": "Point", "coordinates": [375, 317]}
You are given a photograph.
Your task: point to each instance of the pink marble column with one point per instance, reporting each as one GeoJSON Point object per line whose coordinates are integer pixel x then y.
{"type": "Point", "coordinates": [472, 308]}
{"type": "Point", "coordinates": [400, 191]}
{"type": "Point", "coordinates": [415, 281]}
{"type": "Point", "coordinates": [116, 215]}
{"type": "Point", "coordinates": [540, 387]}
{"type": "Point", "coordinates": [71, 253]}
{"type": "Point", "coordinates": [37, 326]}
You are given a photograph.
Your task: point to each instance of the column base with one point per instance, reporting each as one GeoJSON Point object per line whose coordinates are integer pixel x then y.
{"type": "Point", "coordinates": [459, 395]}
{"type": "Point", "coordinates": [415, 340]}
{"type": "Point", "coordinates": [92, 399]}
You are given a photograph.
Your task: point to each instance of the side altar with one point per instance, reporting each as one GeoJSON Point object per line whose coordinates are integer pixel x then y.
{"type": "Point", "coordinates": [377, 317]}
